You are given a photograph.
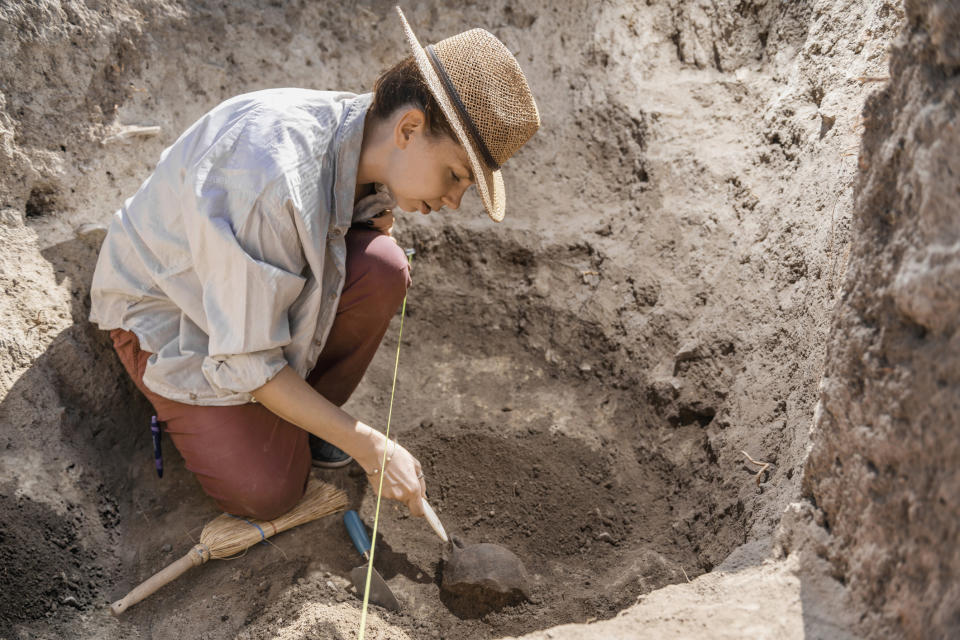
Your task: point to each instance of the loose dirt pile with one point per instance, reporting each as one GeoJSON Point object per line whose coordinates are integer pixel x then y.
{"type": "Point", "coordinates": [580, 382]}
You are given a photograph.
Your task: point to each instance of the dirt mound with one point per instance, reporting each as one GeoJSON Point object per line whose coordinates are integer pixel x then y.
{"type": "Point", "coordinates": [46, 562]}
{"type": "Point", "coordinates": [562, 508]}
{"type": "Point", "coordinates": [548, 489]}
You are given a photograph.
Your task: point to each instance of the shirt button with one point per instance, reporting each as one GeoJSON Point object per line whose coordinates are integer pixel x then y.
{"type": "Point", "coordinates": [336, 232]}
{"type": "Point", "coordinates": [332, 295]}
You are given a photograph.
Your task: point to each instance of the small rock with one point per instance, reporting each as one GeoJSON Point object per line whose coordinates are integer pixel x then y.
{"type": "Point", "coordinates": [90, 228]}
{"type": "Point", "coordinates": [11, 217]}
{"type": "Point", "coordinates": [167, 548]}
{"type": "Point", "coordinates": [604, 231]}
{"type": "Point", "coordinates": [689, 351]}
{"type": "Point", "coordinates": [605, 537]}
{"type": "Point", "coordinates": [826, 123]}
{"type": "Point", "coordinates": [70, 600]}
{"type": "Point", "coordinates": [331, 585]}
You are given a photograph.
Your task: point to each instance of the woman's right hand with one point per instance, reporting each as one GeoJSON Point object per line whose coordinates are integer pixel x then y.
{"type": "Point", "coordinates": [403, 478]}
{"type": "Point", "coordinates": [383, 222]}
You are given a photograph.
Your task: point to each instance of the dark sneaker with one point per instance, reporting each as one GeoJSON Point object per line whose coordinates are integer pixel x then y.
{"type": "Point", "coordinates": [327, 456]}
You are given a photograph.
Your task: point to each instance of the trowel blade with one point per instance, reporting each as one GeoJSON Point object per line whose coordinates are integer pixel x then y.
{"type": "Point", "coordinates": [380, 593]}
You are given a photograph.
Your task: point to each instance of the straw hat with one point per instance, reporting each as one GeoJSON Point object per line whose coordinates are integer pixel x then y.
{"type": "Point", "coordinates": [485, 97]}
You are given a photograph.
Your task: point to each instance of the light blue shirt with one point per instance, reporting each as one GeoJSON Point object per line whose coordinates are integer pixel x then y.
{"type": "Point", "coordinates": [229, 260]}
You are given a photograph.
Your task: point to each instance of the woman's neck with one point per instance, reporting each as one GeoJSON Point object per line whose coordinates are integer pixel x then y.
{"type": "Point", "coordinates": [373, 152]}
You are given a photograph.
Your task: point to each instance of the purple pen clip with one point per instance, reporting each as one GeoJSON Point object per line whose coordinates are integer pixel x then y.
{"type": "Point", "coordinates": [157, 454]}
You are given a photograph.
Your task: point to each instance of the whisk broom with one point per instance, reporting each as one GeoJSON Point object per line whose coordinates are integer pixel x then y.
{"type": "Point", "coordinates": [228, 535]}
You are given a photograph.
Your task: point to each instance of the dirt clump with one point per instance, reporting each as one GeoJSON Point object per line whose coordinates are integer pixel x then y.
{"type": "Point", "coordinates": [479, 578]}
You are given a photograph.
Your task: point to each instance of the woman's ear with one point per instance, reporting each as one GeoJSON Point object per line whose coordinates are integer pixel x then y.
{"type": "Point", "coordinates": [411, 123]}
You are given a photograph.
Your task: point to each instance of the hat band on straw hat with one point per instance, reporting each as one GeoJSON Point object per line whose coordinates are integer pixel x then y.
{"type": "Point", "coordinates": [461, 108]}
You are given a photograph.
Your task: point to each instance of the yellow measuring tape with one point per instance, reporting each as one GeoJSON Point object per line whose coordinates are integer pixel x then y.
{"type": "Point", "coordinates": [383, 465]}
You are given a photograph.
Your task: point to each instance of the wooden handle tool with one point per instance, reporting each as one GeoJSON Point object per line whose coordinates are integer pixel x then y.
{"type": "Point", "coordinates": [434, 520]}
{"type": "Point", "coordinates": [194, 558]}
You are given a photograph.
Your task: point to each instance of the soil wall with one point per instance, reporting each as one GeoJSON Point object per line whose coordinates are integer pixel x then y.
{"type": "Point", "coordinates": [885, 465]}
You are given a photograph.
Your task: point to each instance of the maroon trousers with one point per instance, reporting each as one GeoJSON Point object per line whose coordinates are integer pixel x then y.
{"type": "Point", "coordinates": [250, 461]}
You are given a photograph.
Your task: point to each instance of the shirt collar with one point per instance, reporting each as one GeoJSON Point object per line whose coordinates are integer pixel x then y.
{"type": "Point", "coordinates": [348, 142]}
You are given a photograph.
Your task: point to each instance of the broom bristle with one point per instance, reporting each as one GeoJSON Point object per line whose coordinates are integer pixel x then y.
{"type": "Point", "coordinates": [228, 535]}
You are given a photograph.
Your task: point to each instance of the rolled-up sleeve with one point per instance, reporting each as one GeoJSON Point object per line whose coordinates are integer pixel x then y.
{"type": "Point", "coordinates": [242, 372]}
{"type": "Point", "coordinates": [246, 260]}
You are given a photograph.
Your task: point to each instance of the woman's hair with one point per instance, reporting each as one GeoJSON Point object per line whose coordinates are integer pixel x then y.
{"type": "Point", "coordinates": [403, 85]}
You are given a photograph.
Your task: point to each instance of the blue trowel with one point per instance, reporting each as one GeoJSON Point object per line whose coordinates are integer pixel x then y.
{"type": "Point", "coordinates": [380, 593]}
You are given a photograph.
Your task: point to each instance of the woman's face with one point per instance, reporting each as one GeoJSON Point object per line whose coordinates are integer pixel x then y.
{"type": "Point", "coordinates": [426, 172]}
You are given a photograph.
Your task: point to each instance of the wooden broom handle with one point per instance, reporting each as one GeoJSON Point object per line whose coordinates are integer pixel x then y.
{"type": "Point", "coordinates": [194, 558]}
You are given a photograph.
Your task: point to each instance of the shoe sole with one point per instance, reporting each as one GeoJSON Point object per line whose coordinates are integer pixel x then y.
{"type": "Point", "coordinates": [325, 464]}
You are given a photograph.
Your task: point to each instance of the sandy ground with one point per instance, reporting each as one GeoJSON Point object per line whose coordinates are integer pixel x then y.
{"type": "Point", "coordinates": [580, 381]}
